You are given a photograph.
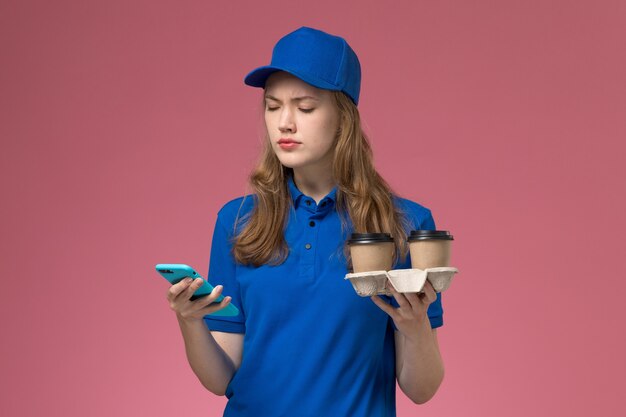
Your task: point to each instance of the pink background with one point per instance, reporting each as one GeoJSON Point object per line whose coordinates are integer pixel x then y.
{"type": "Point", "coordinates": [125, 125]}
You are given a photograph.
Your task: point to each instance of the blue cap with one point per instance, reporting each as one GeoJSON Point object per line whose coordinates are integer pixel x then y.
{"type": "Point", "coordinates": [317, 58]}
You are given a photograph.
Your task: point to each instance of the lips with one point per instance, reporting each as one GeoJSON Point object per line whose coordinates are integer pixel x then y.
{"type": "Point", "coordinates": [288, 144]}
{"type": "Point", "coordinates": [287, 141]}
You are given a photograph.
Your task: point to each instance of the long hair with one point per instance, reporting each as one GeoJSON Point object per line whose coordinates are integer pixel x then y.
{"type": "Point", "coordinates": [363, 197]}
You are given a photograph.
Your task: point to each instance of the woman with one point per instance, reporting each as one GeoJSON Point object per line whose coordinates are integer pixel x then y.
{"type": "Point", "coordinates": [304, 343]}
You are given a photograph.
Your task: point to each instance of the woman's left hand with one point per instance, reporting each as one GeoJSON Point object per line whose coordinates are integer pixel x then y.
{"type": "Point", "coordinates": [412, 310]}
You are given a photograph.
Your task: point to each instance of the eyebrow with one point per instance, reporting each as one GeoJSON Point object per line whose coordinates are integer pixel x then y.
{"type": "Point", "coordinates": [293, 99]}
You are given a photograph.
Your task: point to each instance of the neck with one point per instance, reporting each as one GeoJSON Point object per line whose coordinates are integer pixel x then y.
{"type": "Point", "coordinates": [315, 183]}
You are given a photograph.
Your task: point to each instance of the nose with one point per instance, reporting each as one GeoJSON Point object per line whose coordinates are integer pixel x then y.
{"type": "Point", "coordinates": [286, 122]}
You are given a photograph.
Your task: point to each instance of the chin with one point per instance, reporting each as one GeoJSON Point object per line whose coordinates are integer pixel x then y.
{"type": "Point", "coordinates": [292, 165]}
{"type": "Point", "coordinates": [292, 162]}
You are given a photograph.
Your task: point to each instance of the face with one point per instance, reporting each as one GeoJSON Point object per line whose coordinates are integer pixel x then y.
{"type": "Point", "coordinates": [301, 121]}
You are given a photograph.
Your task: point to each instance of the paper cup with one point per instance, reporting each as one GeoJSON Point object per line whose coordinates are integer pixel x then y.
{"type": "Point", "coordinates": [371, 251]}
{"type": "Point", "coordinates": [430, 248]}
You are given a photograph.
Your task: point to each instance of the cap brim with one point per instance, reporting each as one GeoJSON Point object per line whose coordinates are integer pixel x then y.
{"type": "Point", "coordinates": [258, 77]}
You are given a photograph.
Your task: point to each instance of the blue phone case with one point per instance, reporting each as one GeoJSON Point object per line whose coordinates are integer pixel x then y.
{"type": "Point", "coordinates": [174, 273]}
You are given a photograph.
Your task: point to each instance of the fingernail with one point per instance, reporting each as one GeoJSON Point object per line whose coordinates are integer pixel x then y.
{"type": "Point", "coordinates": [188, 280]}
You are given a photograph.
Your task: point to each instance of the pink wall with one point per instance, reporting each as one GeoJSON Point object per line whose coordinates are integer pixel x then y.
{"type": "Point", "coordinates": [126, 125]}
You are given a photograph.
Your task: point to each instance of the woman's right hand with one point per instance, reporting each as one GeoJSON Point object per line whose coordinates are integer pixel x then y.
{"type": "Point", "coordinates": [179, 296]}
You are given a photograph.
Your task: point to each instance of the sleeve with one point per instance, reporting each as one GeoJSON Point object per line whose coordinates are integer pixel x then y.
{"type": "Point", "coordinates": [435, 309]}
{"type": "Point", "coordinates": [222, 271]}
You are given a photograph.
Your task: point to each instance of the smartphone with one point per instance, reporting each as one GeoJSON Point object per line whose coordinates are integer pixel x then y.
{"type": "Point", "coordinates": [174, 273]}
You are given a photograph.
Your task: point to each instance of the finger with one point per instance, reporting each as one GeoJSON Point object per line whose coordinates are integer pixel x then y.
{"type": "Point", "coordinates": [213, 307]}
{"type": "Point", "coordinates": [209, 299]}
{"type": "Point", "coordinates": [431, 294]}
{"type": "Point", "coordinates": [413, 298]}
{"type": "Point", "coordinates": [176, 289]}
{"type": "Point", "coordinates": [193, 287]}
{"type": "Point", "coordinates": [194, 308]}
{"type": "Point", "coordinates": [387, 308]}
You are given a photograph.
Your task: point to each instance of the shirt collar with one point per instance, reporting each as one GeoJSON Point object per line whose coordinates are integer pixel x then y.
{"type": "Point", "coordinates": [297, 195]}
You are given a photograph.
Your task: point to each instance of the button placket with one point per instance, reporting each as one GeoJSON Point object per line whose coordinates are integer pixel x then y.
{"type": "Point", "coordinates": [309, 248]}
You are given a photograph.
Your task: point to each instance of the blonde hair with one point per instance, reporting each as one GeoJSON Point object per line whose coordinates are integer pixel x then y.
{"type": "Point", "coordinates": [362, 195]}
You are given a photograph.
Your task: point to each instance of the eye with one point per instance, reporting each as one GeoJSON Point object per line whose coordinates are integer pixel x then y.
{"type": "Point", "coordinates": [271, 108]}
{"type": "Point", "coordinates": [306, 110]}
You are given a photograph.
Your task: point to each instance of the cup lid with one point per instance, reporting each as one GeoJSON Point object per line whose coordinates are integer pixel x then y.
{"type": "Point", "coordinates": [362, 238]}
{"type": "Point", "coordinates": [429, 235]}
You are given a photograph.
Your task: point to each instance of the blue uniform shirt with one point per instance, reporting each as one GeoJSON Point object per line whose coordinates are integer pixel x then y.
{"type": "Point", "coordinates": [312, 346]}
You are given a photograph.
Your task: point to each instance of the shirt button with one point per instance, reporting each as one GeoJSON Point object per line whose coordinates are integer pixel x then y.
{"type": "Point", "coordinates": [308, 246]}
{"type": "Point", "coordinates": [311, 223]}
{"type": "Point", "coordinates": [323, 204]}
{"type": "Point", "coordinates": [308, 202]}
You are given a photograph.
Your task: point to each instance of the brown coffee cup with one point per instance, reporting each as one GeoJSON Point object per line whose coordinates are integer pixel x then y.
{"type": "Point", "coordinates": [430, 248]}
{"type": "Point", "coordinates": [371, 251]}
